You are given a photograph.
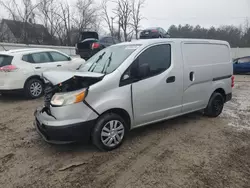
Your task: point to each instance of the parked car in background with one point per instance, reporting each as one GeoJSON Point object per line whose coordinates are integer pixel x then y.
{"type": "Point", "coordinates": [20, 70]}
{"type": "Point", "coordinates": [129, 85]}
{"type": "Point", "coordinates": [153, 32]}
{"type": "Point", "coordinates": [90, 44]}
{"type": "Point", "coordinates": [241, 65]}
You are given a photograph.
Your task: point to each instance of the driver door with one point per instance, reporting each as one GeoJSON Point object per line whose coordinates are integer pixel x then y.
{"type": "Point", "coordinates": [157, 95]}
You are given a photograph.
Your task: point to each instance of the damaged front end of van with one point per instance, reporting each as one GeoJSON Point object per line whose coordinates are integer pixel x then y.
{"type": "Point", "coordinates": [57, 122]}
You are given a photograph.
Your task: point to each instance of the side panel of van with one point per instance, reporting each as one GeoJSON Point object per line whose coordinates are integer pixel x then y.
{"type": "Point", "coordinates": [203, 64]}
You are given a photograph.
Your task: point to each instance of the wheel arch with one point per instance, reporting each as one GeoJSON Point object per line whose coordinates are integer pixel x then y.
{"type": "Point", "coordinates": [121, 112]}
{"type": "Point", "coordinates": [33, 77]}
{"type": "Point", "coordinates": [221, 91]}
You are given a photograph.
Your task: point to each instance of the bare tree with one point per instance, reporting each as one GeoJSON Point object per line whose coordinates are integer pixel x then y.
{"type": "Point", "coordinates": [64, 20]}
{"type": "Point", "coordinates": [124, 13]}
{"type": "Point", "coordinates": [47, 11]}
{"type": "Point", "coordinates": [106, 17]}
{"type": "Point", "coordinates": [137, 5]}
{"type": "Point", "coordinates": [85, 16]}
{"type": "Point", "coordinates": [4, 34]}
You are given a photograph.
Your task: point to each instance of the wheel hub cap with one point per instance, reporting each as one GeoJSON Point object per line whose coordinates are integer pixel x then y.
{"type": "Point", "coordinates": [36, 89]}
{"type": "Point", "coordinates": [112, 133]}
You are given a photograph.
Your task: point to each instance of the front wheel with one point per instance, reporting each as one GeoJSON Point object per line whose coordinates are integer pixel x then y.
{"type": "Point", "coordinates": [215, 105]}
{"type": "Point", "coordinates": [109, 132]}
{"type": "Point", "coordinates": [33, 88]}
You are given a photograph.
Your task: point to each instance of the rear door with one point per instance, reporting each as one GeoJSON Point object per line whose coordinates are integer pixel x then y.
{"type": "Point", "coordinates": [40, 62]}
{"type": "Point", "coordinates": [61, 61]}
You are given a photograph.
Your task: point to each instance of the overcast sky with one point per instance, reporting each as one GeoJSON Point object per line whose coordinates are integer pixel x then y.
{"type": "Point", "coordinates": [203, 12]}
{"type": "Point", "coordinates": [164, 13]}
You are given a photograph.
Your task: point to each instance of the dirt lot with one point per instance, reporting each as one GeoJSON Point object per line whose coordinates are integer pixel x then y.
{"type": "Point", "coordinates": [191, 151]}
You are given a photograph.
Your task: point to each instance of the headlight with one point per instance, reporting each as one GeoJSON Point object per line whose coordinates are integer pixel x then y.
{"type": "Point", "coordinates": [62, 99]}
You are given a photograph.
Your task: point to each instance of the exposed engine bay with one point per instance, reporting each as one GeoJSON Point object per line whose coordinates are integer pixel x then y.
{"type": "Point", "coordinates": [72, 84]}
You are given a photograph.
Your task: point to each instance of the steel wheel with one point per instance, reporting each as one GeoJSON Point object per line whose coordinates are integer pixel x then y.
{"type": "Point", "coordinates": [215, 105]}
{"type": "Point", "coordinates": [112, 133]}
{"type": "Point", "coordinates": [36, 89]}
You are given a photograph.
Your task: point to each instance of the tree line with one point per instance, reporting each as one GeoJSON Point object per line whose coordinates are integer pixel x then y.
{"type": "Point", "coordinates": [236, 36]}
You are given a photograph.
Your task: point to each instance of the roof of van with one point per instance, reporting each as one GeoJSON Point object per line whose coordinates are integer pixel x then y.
{"type": "Point", "coordinates": [25, 50]}
{"type": "Point", "coordinates": [153, 41]}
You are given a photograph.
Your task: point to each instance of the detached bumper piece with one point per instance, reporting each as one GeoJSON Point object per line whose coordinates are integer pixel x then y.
{"type": "Point", "coordinates": [79, 132]}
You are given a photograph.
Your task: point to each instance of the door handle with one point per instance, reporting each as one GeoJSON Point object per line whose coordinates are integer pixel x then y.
{"type": "Point", "coordinates": [170, 79]}
{"type": "Point", "coordinates": [191, 76]}
{"type": "Point", "coordinates": [59, 65]}
{"type": "Point", "coordinates": [37, 67]}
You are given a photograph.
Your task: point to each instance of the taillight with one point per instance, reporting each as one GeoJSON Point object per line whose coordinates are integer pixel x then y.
{"type": "Point", "coordinates": [8, 68]}
{"type": "Point", "coordinates": [232, 83]}
{"type": "Point", "coordinates": [95, 45]}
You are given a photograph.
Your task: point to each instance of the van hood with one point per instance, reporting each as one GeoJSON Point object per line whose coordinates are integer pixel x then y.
{"type": "Point", "coordinates": [56, 77]}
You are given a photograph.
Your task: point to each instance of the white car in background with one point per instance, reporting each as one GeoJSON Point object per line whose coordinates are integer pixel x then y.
{"type": "Point", "coordinates": [21, 70]}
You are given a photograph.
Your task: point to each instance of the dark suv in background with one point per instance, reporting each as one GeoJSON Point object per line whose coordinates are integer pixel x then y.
{"type": "Point", "coordinates": [154, 32]}
{"type": "Point", "coordinates": [90, 44]}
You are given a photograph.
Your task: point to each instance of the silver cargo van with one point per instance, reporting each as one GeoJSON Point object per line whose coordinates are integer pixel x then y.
{"type": "Point", "coordinates": [130, 85]}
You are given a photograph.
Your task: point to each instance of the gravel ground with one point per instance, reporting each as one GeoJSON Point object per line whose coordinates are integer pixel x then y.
{"type": "Point", "coordinates": [190, 151]}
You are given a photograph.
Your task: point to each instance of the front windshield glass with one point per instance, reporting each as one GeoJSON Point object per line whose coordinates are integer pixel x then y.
{"type": "Point", "coordinates": [108, 59]}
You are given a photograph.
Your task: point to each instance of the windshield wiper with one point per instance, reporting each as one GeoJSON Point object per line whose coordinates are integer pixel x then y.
{"type": "Point", "coordinates": [79, 67]}
{"type": "Point", "coordinates": [104, 70]}
{"type": "Point", "coordinates": [95, 64]}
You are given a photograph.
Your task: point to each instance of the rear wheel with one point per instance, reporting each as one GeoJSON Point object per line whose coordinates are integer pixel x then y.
{"type": "Point", "coordinates": [109, 132]}
{"type": "Point", "coordinates": [34, 88]}
{"type": "Point", "coordinates": [215, 105]}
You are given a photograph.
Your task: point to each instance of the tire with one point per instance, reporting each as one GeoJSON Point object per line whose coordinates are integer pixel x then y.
{"type": "Point", "coordinates": [102, 133]}
{"type": "Point", "coordinates": [34, 88]}
{"type": "Point", "coordinates": [215, 105]}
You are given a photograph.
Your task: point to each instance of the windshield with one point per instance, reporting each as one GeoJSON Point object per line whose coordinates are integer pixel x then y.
{"type": "Point", "coordinates": [108, 59]}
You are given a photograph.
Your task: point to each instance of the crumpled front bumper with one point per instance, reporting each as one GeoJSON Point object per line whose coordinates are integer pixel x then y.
{"type": "Point", "coordinates": [61, 132]}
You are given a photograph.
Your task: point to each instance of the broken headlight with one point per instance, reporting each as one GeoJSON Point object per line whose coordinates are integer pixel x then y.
{"type": "Point", "coordinates": [63, 99]}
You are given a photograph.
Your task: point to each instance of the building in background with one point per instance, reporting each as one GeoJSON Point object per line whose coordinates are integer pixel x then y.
{"type": "Point", "coordinates": [24, 32]}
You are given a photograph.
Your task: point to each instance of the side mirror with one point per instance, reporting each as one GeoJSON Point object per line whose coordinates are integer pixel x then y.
{"type": "Point", "coordinates": [143, 71]}
{"type": "Point", "coordinates": [69, 58]}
